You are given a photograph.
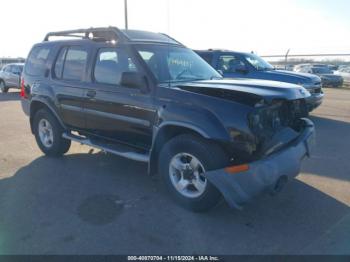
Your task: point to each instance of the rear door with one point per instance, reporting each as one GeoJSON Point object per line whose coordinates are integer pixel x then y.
{"type": "Point", "coordinates": [114, 111]}
{"type": "Point", "coordinates": [68, 82]}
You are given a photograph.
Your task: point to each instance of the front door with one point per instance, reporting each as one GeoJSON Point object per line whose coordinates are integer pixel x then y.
{"type": "Point", "coordinates": [114, 111]}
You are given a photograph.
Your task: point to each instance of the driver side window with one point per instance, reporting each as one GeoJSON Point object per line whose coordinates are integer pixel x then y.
{"type": "Point", "coordinates": [229, 63]}
{"type": "Point", "coordinates": [110, 64]}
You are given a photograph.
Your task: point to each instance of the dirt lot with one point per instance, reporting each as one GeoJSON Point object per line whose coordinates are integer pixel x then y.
{"type": "Point", "coordinates": [92, 203]}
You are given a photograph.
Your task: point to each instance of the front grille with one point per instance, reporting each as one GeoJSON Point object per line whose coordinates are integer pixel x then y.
{"type": "Point", "coordinates": [317, 90]}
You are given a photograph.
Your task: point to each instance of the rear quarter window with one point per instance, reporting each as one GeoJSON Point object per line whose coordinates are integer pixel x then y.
{"type": "Point", "coordinates": [36, 62]}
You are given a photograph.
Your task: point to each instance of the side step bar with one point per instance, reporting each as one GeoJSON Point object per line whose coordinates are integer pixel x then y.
{"type": "Point", "coordinates": [119, 150]}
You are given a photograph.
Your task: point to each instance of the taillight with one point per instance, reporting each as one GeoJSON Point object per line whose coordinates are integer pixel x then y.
{"type": "Point", "coordinates": [23, 93]}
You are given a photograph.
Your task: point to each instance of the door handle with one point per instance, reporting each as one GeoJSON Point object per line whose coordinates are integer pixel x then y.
{"type": "Point", "coordinates": [91, 93]}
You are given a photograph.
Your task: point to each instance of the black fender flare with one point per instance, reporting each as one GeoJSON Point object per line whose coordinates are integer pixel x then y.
{"type": "Point", "coordinates": [157, 141]}
{"type": "Point", "coordinates": [46, 103]}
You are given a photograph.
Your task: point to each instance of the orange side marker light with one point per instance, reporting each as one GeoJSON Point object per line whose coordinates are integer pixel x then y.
{"type": "Point", "coordinates": [237, 169]}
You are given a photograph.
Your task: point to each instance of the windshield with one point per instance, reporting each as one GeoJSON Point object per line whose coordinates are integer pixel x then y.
{"type": "Point", "coordinates": [259, 63]}
{"type": "Point", "coordinates": [321, 70]}
{"type": "Point", "coordinates": [175, 64]}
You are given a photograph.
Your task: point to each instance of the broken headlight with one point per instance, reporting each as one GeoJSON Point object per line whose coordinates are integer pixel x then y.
{"type": "Point", "coordinates": [267, 118]}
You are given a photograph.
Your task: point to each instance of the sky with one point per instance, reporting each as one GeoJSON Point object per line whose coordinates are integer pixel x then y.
{"type": "Point", "coordinates": [266, 27]}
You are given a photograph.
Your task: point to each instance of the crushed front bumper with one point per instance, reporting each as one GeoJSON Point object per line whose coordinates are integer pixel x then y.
{"type": "Point", "coordinates": [264, 174]}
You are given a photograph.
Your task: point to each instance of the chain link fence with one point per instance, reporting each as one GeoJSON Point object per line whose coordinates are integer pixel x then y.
{"type": "Point", "coordinates": [289, 61]}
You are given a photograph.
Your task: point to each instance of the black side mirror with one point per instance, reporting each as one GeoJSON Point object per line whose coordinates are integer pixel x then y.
{"type": "Point", "coordinates": [241, 69]}
{"type": "Point", "coordinates": [135, 80]}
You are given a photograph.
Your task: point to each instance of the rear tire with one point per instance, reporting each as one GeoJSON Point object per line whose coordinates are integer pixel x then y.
{"type": "Point", "coordinates": [182, 162]}
{"type": "Point", "coordinates": [3, 87]}
{"type": "Point", "coordinates": [48, 134]}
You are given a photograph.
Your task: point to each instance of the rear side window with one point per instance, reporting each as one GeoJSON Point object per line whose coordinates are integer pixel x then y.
{"type": "Point", "coordinates": [74, 64]}
{"type": "Point", "coordinates": [36, 62]}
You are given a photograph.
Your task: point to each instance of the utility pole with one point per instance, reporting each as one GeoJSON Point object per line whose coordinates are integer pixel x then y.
{"type": "Point", "coordinates": [126, 13]}
{"type": "Point", "coordinates": [286, 59]}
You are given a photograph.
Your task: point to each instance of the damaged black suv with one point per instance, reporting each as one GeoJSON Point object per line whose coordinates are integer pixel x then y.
{"type": "Point", "coordinates": [146, 97]}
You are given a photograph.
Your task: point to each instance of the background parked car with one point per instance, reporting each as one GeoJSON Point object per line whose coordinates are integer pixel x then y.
{"type": "Point", "coordinates": [300, 67]}
{"type": "Point", "coordinates": [329, 79]}
{"type": "Point", "coordinates": [10, 77]}
{"type": "Point", "coordinates": [342, 66]}
{"type": "Point", "coordinates": [333, 67]}
{"type": "Point", "coordinates": [247, 65]}
{"type": "Point", "coordinates": [344, 72]}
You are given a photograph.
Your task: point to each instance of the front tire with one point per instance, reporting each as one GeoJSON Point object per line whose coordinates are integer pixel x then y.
{"type": "Point", "coordinates": [182, 164]}
{"type": "Point", "coordinates": [48, 134]}
{"type": "Point", "coordinates": [3, 87]}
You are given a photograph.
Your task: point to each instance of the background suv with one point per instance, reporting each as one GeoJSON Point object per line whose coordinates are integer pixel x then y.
{"type": "Point", "coordinates": [247, 65]}
{"type": "Point", "coordinates": [10, 77]}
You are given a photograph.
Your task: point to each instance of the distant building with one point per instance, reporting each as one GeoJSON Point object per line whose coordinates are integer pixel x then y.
{"type": "Point", "coordinates": [7, 60]}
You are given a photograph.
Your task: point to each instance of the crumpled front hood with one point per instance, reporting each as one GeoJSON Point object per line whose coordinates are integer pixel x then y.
{"type": "Point", "coordinates": [247, 91]}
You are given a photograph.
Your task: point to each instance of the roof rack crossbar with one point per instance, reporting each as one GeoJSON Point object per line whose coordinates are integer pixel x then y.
{"type": "Point", "coordinates": [109, 33]}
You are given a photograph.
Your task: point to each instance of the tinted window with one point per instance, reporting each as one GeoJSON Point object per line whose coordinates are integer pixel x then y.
{"type": "Point", "coordinates": [35, 64]}
{"type": "Point", "coordinates": [74, 64]}
{"type": "Point", "coordinates": [59, 63]}
{"type": "Point", "coordinates": [110, 64]}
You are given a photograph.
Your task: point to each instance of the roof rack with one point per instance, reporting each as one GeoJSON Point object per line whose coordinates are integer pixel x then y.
{"type": "Point", "coordinates": [97, 33]}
